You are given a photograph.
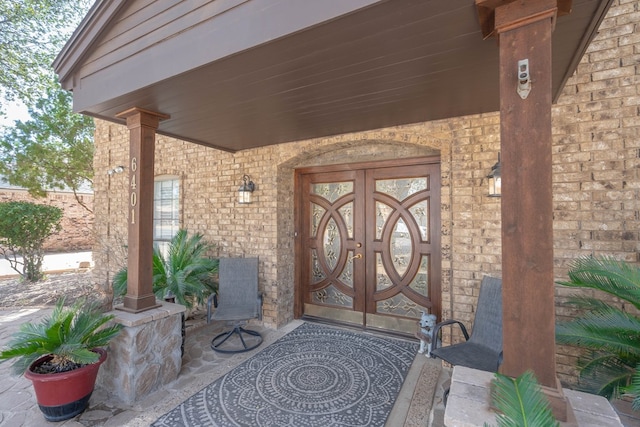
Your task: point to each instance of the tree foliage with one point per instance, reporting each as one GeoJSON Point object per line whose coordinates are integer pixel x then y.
{"type": "Point", "coordinates": [24, 227]}
{"type": "Point", "coordinates": [52, 150]}
{"type": "Point", "coordinates": [32, 32]}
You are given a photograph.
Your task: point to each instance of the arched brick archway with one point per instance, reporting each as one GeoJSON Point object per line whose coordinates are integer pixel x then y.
{"type": "Point", "coordinates": [345, 151]}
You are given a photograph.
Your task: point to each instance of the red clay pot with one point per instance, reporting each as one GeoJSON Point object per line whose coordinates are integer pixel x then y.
{"type": "Point", "coordinates": [64, 395]}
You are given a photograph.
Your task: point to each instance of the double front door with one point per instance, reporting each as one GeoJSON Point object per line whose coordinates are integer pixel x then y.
{"type": "Point", "coordinates": [368, 249]}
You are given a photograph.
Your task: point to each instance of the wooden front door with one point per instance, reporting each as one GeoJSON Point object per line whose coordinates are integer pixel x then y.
{"type": "Point", "coordinates": [368, 247]}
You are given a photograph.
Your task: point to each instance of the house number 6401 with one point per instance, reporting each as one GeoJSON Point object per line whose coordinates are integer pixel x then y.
{"type": "Point", "coordinates": [134, 194]}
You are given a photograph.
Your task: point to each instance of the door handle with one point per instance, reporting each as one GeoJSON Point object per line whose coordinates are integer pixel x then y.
{"type": "Point", "coordinates": [356, 256]}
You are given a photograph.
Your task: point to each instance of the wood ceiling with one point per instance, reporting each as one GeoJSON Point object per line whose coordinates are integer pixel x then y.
{"type": "Point", "coordinates": [388, 63]}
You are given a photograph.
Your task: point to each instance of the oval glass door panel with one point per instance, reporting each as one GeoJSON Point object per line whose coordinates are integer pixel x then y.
{"type": "Point", "coordinates": [420, 282]}
{"type": "Point", "coordinates": [401, 247]}
{"type": "Point", "coordinates": [331, 244]}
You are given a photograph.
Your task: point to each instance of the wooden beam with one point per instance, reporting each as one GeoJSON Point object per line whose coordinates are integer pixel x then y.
{"type": "Point", "coordinates": [527, 213]}
{"type": "Point", "coordinates": [524, 33]}
{"type": "Point", "coordinates": [142, 126]}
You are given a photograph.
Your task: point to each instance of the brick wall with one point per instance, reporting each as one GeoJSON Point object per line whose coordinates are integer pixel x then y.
{"type": "Point", "coordinates": [596, 155]}
{"type": "Point", "coordinates": [596, 126]}
{"type": "Point", "coordinates": [209, 181]}
{"type": "Point", "coordinates": [77, 222]}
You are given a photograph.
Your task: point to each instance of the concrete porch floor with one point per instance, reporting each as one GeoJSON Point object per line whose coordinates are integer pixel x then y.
{"type": "Point", "coordinates": [200, 367]}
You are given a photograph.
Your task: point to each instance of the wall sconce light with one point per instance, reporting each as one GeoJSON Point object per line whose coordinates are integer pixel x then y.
{"type": "Point", "coordinates": [117, 169]}
{"type": "Point", "coordinates": [524, 79]}
{"type": "Point", "coordinates": [245, 190]}
{"type": "Point", "coordinates": [495, 180]}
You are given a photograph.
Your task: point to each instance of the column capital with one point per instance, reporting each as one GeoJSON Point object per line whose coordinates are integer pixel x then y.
{"type": "Point", "coordinates": [496, 16]}
{"type": "Point", "coordinates": [136, 117]}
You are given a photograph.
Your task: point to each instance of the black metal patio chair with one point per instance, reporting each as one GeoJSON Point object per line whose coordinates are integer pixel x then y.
{"type": "Point", "coordinates": [238, 301]}
{"type": "Point", "coordinates": [483, 350]}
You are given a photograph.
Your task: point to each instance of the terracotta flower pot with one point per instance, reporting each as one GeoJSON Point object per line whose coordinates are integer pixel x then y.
{"type": "Point", "coordinates": [64, 395]}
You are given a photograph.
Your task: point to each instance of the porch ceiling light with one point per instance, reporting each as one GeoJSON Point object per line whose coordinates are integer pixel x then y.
{"type": "Point", "coordinates": [245, 190]}
{"type": "Point", "coordinates": [495, 180]}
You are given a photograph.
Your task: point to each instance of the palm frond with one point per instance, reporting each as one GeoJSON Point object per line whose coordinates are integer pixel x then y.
{"type": "Point", "coordinates": [119, 282]}
{"type": "Point", "coordinates": [81, 355]}
{"type": "Point", "coordinates": [57, 313]}
{"type": "Point", "coordinates": [608, 328]}
{"type": "Point", "coordinates": [21, 364]}
{"type": "Point", "coordinates": [606, 274]}
{"type": "Point", "coordinates": [521, 402]}
{"type": "Point", "coordinates": [68, 333]}
{"type": "Point", "coordinates": [604, 374]}
{"type": "Point", "coordinates": [586, 303]}
{"type": "Point", "coordinates": [609, 332]}
{"type": "Point", "coordinates": [185, 272]}
{"type": "Point", "coordinates": [102, 337]}
{"type": "Point", "coordinates": [634, 389]}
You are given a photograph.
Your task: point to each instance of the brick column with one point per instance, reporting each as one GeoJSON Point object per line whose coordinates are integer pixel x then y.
{"type": "Point", "coordinates": [142, 126]}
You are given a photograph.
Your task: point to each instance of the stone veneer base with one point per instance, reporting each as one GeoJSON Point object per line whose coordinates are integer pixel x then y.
{"type": "Point", "coordinates": [469, 398]}
{"type": "Point", "coordinates": [146, 354]}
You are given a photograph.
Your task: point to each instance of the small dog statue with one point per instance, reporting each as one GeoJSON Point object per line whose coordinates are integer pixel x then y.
{"type": "Point", "coordinates": [425, 327]}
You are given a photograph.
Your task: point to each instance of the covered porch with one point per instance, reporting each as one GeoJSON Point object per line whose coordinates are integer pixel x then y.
{"type": "Point", "coordinates": [313, 76]}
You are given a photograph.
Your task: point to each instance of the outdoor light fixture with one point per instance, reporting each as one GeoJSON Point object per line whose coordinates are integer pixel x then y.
{"type": "Point", "coordinates": [524, 79]}
{"type": "Point", "coordinates": [245, 190]}
{"type": "Point", "coordinates": [495, 180]}
{"type": "Point", "coordinates": [117, 169]}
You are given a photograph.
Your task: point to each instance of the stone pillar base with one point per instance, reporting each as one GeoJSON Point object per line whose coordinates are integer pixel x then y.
{"type": "Point", "coordinates": [146, 354]}
{"type": "Point", "coordinates": [469, 403]}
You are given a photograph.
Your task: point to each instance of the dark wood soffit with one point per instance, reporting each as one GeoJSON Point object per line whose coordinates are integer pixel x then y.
{"type": "Point", "coordinates": [395, 63]}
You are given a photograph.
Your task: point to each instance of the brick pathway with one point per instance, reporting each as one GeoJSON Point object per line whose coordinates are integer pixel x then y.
{"type": "Point", "coordinates": [17, 400]}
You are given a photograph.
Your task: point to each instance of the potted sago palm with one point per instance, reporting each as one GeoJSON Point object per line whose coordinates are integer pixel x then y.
{"type": "Point", "coordinates": [61, 356]}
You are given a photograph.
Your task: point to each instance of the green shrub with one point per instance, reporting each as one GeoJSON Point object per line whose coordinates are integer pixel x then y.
{"type": "Point", "coordinates": [24, 227]}
{"type": "Point", "coordinates": [186, 272]}
{"type": "Point", "coordinates": [611, 335]}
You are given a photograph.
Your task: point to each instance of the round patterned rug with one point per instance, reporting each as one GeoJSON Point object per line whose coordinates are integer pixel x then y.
{"type": "Point", "coordinates": [313, 376]}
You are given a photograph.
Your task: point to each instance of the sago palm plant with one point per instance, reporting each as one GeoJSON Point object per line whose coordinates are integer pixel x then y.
{"type": "Point", "coordinates": [185, 272]}
{"type": "Point", "coordinates": [520, 402]}
{"type": "Point", "coordinates": [69, 334]}
{"type": "Point", "coordinates": [611, 334]}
